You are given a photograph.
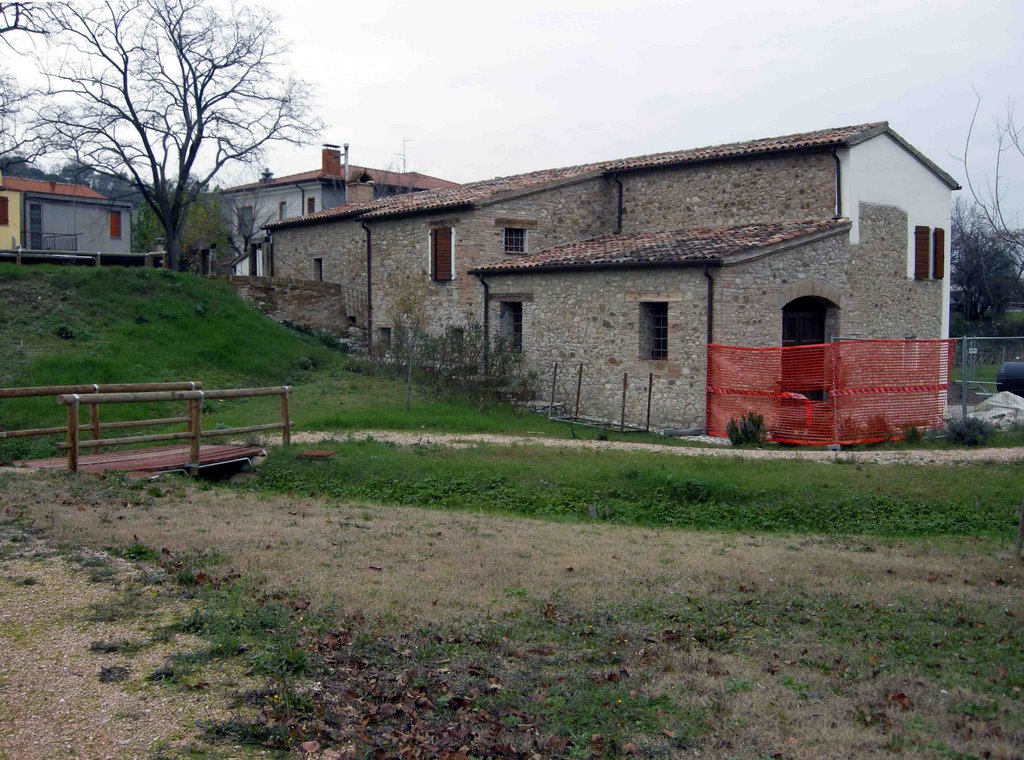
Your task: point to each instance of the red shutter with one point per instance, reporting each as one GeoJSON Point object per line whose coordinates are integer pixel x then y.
{"type": "Point", "coordinates": [5, 210]}
{"type": "Point", "coordinates": [922, 251]}
{"type": "Point", "coordinates": [441, 253]}
{"type": "Point", "coordinates": [115, 224]}
{"type": "Point", "coordinates": [939, 253]}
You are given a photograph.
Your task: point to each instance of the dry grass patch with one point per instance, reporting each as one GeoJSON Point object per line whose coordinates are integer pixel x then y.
{"type": "Point", "coordinates": [659, 642]}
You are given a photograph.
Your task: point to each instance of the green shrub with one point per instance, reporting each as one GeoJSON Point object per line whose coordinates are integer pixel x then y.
{"type": "Point", "coordinates": [969, 432]}
{"type": "Point", "coordinates": [750, 429]}
{"type": "Point", "coordinates": [913, 434]}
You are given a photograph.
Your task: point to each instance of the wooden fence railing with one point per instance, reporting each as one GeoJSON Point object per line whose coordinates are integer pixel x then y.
{"type": "Point", "coordinates": [194, 434]}
{"type": "Point", "coordinates": [94, 426]}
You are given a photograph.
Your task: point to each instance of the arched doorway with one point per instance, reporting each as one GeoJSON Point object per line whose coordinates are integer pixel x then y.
{"type": "Point", "coordinates": [808, 319]}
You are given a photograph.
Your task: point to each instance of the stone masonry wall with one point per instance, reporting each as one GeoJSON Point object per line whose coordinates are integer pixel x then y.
{"type": "Point", "coordinates": [322, 306]}
{"type": "Point", "coordinates": [800, 186]}
{"type": "Point", "coordinates": [594, 317]}
{"type": "Point", "coordinates": [868, 283]}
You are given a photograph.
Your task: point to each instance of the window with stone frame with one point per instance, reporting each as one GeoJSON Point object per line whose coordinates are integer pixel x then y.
{"type": "Point", "coordinates": [318, 270]}
{"type": "Point", "coordinates": [510, 323]}
{"type": "Point", "coordinates": [515, 240]}
{"type": "Point", "coordinates": [654, 330]}
{"type": "Point", "coordinates": [384, 337]}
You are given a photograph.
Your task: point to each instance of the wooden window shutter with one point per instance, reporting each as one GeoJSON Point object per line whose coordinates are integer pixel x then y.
{"type": "Point", "coordinates": [115, 224]}
{"type": "Point", "coordinates": [938, 253]}
{"type": "Point", "coordinates": [5, 217]}
{"type": "Point", "coordinates": [441, 253]}
{"type": "Point", "coordinates": [922, 252]}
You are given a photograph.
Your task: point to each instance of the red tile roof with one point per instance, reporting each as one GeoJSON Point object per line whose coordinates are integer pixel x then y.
{"type": "Point", "coordinates": [412, 180]}
{"type": "Point", "coordinates": [474, 193]}
{"type": "Point", "coordinates": [696, 245]}
{"type": "Point", "coordinates": [823, 138]}
{"type": "Point", "coordinates": [50, 188]}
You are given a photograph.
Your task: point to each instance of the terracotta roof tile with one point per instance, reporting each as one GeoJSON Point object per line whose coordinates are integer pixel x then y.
{"type": "Point", "coordinates": [413, 180]}
{"type": "Point", "coordinates": [690, 246]}
{"type": "Point", "coordinates": [50, 188]}
{"type": "Point", "coordinates": [477, 192]}
{"type": "Point", "coordinates": [822, 138]}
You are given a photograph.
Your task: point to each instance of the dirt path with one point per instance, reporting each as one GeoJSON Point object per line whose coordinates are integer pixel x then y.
{"type": "Point", "coordinates": [76, 656]}
{"type": "Point", "coordinates": [466, 440]}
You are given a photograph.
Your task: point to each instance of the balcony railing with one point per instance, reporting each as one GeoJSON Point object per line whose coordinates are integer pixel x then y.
{"type": "Point", "coordinates": [49, 241]}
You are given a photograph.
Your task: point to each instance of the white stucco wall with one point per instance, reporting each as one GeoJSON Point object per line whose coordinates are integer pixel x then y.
{"type": "Point", "coordinates": [881, 171]}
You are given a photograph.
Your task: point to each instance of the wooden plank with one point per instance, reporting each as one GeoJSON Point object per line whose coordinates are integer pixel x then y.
{"type": "Point", "coordinates": [54, 390]}
{"type": "Point", "coordinates": [150, 460]}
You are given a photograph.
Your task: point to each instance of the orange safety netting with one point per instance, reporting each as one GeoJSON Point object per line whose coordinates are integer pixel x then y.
{"type": "Point", "coordinates": [858, 391]}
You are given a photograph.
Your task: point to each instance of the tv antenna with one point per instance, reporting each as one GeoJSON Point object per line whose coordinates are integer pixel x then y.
{"type": "Point", "coordinates": [404, 155]}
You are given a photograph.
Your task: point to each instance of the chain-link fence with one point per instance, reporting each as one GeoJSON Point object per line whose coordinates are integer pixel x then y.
{"type": "Point", "coordinates": [978, 366]}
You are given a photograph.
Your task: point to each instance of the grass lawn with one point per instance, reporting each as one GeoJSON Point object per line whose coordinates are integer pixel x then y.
{"type": "Point", "coordinates": [380, 626]}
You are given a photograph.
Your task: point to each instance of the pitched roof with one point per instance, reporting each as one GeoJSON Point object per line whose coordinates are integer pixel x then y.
{"type": "Point", "coordinates": [491, 190]}
{"type": "Point", "coordinates": [822, 138]}
{"type": "Point", "coordinates": [474, 193]}
{"type": "Point", "coordinates": [412, 180]}
{"type": "Point", "coordinates": [49, 188]}
{"type": "Point", "coordinates": [688, 247]}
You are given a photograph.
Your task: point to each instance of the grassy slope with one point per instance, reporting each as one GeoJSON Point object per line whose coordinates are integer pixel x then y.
{"type": "Point", "coordinates": [133, 325]}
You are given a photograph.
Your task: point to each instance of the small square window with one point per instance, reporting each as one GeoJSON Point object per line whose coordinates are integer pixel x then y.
{"type": "Point", "coordinates": [654, 330]}
{"type": "Point", "coordinates": [510, 323]}
{"type": "Point", "coordinates": [515, 240]}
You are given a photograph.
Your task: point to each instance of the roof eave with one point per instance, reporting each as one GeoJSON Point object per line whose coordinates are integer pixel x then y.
{"type": "Point", "coordinates": [767, 250]}
{"type": "Point", "coordinates": [547, 268]}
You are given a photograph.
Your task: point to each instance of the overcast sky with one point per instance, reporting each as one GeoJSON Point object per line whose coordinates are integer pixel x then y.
{"type": "Point", "coordinates": [483, 89]}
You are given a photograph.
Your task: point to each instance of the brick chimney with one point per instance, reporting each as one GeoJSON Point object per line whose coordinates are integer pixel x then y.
{"type": "Point", "coordinates": [358, 192]}
{"type": "Point", "coordinates": [331, 161]}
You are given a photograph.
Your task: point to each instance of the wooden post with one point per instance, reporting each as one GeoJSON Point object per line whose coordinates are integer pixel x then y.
{"type": "Point", "coordinates": [286, 433]}
{"type": "Point", "coordinates": [622, 419]}
{"type": "Point", "coordinates": [94, 420]}
{"type": "Point", "coordinates": [579, 387]}
{"type": "Point", "coordinates": [73, 435]}
{"type": "Point", "coordinates": [650, 390]}
{"type": "Point", "coordinates": [195, 413]}
{"type": "Point", "coordinates": [1020, 533]}
{"type": "Point", "coordinates": [551, 402]}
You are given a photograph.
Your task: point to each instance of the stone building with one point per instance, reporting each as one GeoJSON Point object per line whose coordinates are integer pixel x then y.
{"type": "Point", "coordinates": [336, 183]}
{"type": "Point", "coordinates": [636, 265]}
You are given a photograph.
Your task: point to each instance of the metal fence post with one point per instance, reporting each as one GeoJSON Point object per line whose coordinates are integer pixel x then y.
{"type": "Point", "coordinates": [963, 379]}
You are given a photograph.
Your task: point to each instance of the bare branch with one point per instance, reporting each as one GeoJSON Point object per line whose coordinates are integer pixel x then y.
{"type": "Point", "coordinates": [169, 92]}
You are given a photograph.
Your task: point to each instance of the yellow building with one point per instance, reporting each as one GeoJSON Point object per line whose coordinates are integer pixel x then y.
{"type": "Point", "coordinates": [10, 216]}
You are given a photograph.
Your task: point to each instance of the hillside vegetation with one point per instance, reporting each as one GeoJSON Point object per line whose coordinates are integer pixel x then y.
{"type": "Point", "coordinates": [85, 325]}
{"type": "Point", "coordinates": [109, 325]}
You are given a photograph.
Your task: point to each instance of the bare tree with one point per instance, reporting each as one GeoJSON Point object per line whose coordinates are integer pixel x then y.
{"type": "Point", "coordinates": [168, 92]}
{"type": "Point", "coordinates": [20, 17]}
{"type": "Point", "coordinates": [986, 269]}
{"type": "Point", "coordinates": [15, 147]}
{"type": "Point", "coordinates": [990, 191]}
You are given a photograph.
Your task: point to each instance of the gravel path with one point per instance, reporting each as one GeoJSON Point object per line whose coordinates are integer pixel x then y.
{"type": "Point", "coordinates": [466, 440]}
